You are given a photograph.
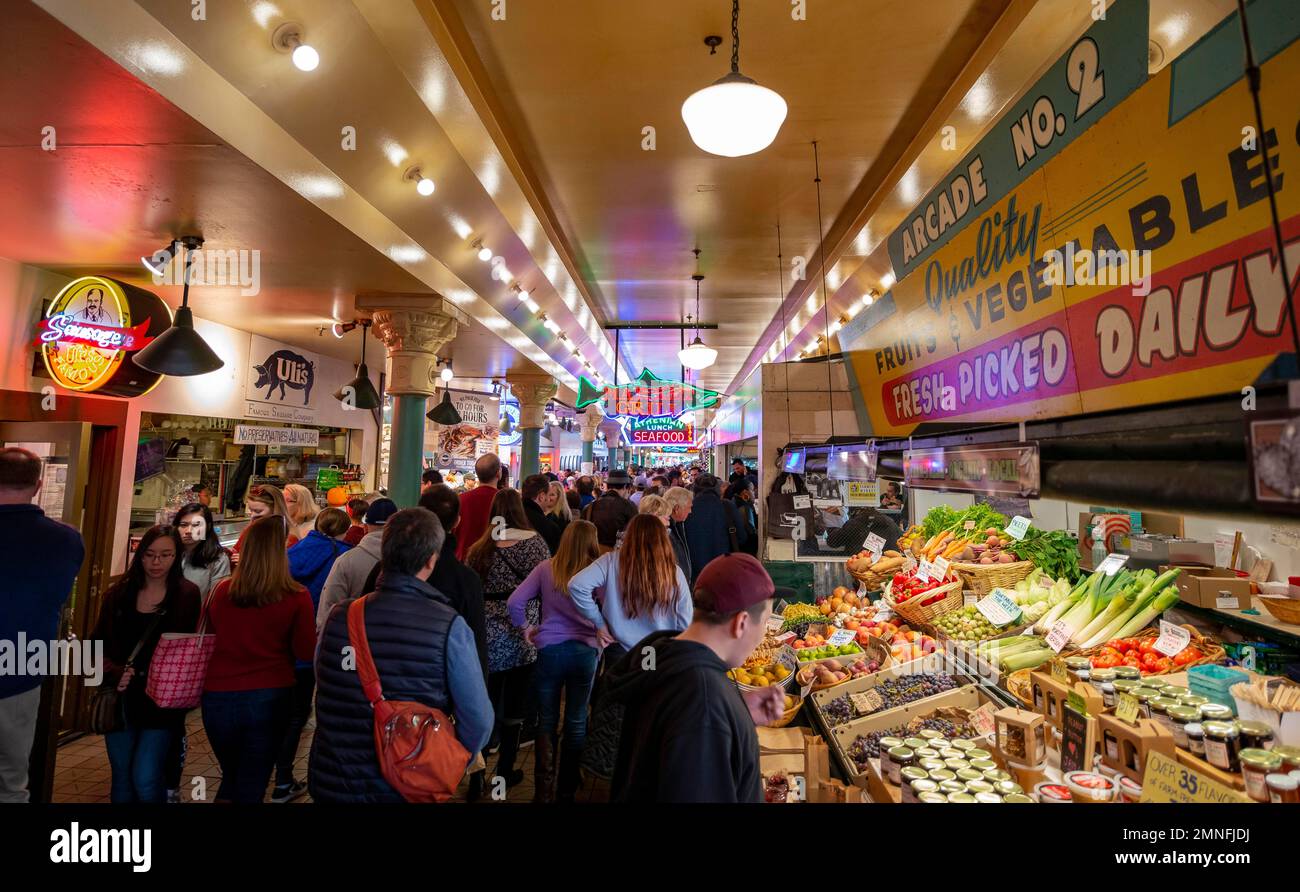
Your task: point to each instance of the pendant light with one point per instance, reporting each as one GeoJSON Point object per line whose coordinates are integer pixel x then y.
{"type": "Point", "coordinates": [180, 351]}
{"type": "Point", "coordinates": [362, 393]}
{"type": "Point", "coordinates": [734, 115]}
{"type": "Point", "coordinates": [696, 355]}
{"type": "Point", "coordinates": [444, 413]}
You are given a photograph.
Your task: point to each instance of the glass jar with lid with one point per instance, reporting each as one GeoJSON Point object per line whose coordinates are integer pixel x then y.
{"type": "Point", "coordinates": [1128, 673]}
{"type": "Point", "coordinates": [1222, 745]}
{"type": "Point", "coordinates": [1255, 735]}
{"type": "Point", "coordinates": [1180, 717]}
{"type": "Point", "coordinates": [1195, 732]}
{"type": "Point", "coordinates": [1160, 711]}
{"type": "Point", "coordinates": [1215, 712]}
{"type": "Point", "coordinates": [899, 758]}
{"type": "Point", "coordinates": [1256, 766]}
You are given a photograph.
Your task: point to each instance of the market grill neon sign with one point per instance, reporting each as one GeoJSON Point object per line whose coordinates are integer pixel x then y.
{"type": "Point", "coordinates": [649, 397]}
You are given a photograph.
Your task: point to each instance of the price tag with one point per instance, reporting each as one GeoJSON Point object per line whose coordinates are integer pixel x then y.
{"type": "Point", "coordinates": [998, 608]}
{"type": "Point", "coordinates": [866, 703]}
{"type": "Point", "coordinates": [1076, 702]}
{"type": "Point", "coordinates": [982, 720]}
{"type": "Point", "coordinates": [968, 525]}
{"type": "Point", "coordinates": [940, 568]}
{"type": "Point", "coordinates": [780, 607]}
{"type": "Point", "coordinates": [1112, 563]}
{"type": "Point", "coordinates": [842, 637]}
{"type": "Point", "coordinates": [1126, 709]}
{"type": "Point", "coordinates": [1227, 602]}
{"type": "Point", "coordinates": [1059, 672]}
{"type": "Point", "coordinates": [1141, 545]}
{"type": "Point", "coordinates": [774, 623]}
{"type": "Point", "coordinates": [1018, 527]}
{"type": "Point", "coordinates": [786, 637]}
{"type": "Point", "coordinates": [802, 503]}
{"type": "Point", "coordinates": [969, 599]}
{"type": "Point", "coordinates": [925, 571]}
{"type": "Point", "coordinates": [884, 614]}
{"type": "Point", "coordinates": [1172, 639]}
{"type": "Point", "coordinates": [1059, 636]}
{"type": "Point", "coordinates": [874, 544]}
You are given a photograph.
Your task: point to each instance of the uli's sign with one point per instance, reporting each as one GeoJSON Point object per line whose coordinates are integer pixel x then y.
{"type": "Point", "coordinates": [280, 382]}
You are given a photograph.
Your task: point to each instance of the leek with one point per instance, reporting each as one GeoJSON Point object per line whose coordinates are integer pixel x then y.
{"type": "Point", "coordinates": [1046, 623]}
{"type": "Point", "coordinates": [1139, 603]}
{"type": "Point", "coordinates": [1118, 606]}
{"type": "Point", "coordinates": [1156, 606]}
{"type": "Point", "coordinates": [1031, 659]}
{"type": "Point", "coordinates": [1084, 610]}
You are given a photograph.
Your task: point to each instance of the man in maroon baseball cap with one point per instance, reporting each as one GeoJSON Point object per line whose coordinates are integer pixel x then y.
{"type": "Point", "coordinates": [688, 732]}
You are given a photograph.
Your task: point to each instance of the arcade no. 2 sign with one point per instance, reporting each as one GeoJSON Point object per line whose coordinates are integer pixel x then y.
{"type": "Point", "coordinates": [92, 329]}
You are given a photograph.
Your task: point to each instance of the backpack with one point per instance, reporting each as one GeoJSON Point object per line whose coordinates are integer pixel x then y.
{"type": "Point", "coordinates": [415, 744]}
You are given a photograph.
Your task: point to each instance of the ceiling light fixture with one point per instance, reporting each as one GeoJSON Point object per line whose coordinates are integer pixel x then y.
{"type": "Point", "coordinates": [360, 393]}
{"type": "Point", "coordinates": [288, 39]}
{"type": "Point", "coordinates": [180, 351]}
{"type": "Point", "coordinates": [446, 374]}
{"type": "Point", "coordinates": [444, 413]}
{"type": "Point", "coordinates": [733, 116]}
{"type": "Point", "coordinates": [159, 260]}
{"type": "Point", "coordinates": [697, 355]}
{"type": "Point", "coordinates": [423, 184]}
{"type": "Point", "coordinates": [484, 252]}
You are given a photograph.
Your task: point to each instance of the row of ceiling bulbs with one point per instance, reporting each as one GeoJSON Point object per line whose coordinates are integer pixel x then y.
{"type": "Point", "coordinates": [289, 38]}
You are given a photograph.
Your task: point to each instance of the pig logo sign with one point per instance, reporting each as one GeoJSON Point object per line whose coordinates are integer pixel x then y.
{"type": "Point", "coordinates": [280, 382]}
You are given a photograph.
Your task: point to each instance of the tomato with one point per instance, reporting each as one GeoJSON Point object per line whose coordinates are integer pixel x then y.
{"type": "Point", "coordinates": [1187, 655]}
{"type": "Point", "coordinates": [1131, 659]}
{"type": "Point", "coordinates": [1148, 646]}
{"type": "Point", "coordinates": [1106, 661]}
{"type": "Point", "coordinates": [1150, 658]}
{"type": "Point", "coordinates": [1164, 664]}
{"type": "Point", "coordinates": [1124, 645]}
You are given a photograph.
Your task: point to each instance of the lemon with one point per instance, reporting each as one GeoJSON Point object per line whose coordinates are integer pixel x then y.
{"type": "Point", "coordinates": [760, 682]}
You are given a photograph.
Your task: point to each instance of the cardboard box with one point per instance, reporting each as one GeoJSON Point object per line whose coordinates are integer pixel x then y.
{"type": "Point", "coordinates": [1200, 586]}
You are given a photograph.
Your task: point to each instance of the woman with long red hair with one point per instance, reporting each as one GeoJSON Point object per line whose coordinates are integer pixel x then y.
{"type": "Point", "coordinates": [645, 590]}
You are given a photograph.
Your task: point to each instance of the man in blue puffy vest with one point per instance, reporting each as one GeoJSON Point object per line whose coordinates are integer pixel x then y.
{"type": "Point", "coordinates": [423, 651]}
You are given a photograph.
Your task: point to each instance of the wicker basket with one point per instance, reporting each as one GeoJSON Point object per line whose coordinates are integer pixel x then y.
{"type": "Point", "coordinates": [914, 613]}
{"type": "Point", "coordinates": [1214, 652]}
{"type": "Point", "coordinates": [1284, 610]}
{"type": "Point", "coordinates": [789, 715]}
{"type": "Point", "coordinates": [984, 578]}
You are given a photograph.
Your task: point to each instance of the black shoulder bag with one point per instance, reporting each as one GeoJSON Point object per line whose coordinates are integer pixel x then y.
{"type": "Point", "coordinates": [106, 702]}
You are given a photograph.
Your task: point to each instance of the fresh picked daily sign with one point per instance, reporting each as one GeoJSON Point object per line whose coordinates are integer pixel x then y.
{"type": "Point", "coordinates": [1136, 266]}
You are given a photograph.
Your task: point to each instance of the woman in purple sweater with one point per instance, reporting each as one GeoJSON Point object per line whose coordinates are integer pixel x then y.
{"type": "Point", "coordinates": [567, 653]}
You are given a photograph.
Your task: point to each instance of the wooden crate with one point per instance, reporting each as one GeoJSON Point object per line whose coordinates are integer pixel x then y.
{"type": "Point", "coordinates": [934, 662]}
{"type": "Point", "coordinates": [967, 697]}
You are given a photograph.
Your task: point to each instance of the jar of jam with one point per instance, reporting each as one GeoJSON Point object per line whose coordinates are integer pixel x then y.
{"type": "Point", "coordinates": [963, 744]}
{"type": "Point", "coordinates": [1007, 787]}
{"type": "Point", "coordinates": [983, 764]}
{"type": "Point", "coordinates": [1160, 711]}
{"type": "Point", "coordinates": [967, 775]}
{"type": "Point", "coordinates": [1256, 766]}
{"type": "Point", "coordinates": [1125, 686]}
{"type": "Point", "coordinates": [1255, 735]}
{"type": "Point", "coordinates": [979, 786]}
{"type": "Point", "coordinates": [951, 786]}
{"type": "Point", "coordinates": [961, 797]}
{"type": "Point", "coordinates": [1127, 672]}
{"type": "Point", "coordinates": [976, 754]}
{"type": "Point", "coordinates": [952, 753]}
{"type": "Point", "coordinates": [926, 752]}
{"type": "Point", "coordinates": [1215, 712]}
{"type": "Point", "coordinates": [931, 765]}
{"type": "Point", "coordinates": [899, 758]}
{"type": "Point", "coordinates": [1180, 717]}
{"type": "Point", "coordinates": [956, 764]}
{"type": "Point", "coordinates": [931, 798]}
{"type": "Point", "coordinates": [929, 734]}
{"type": "Point", "coordinates": [1193, 700]}
{"type": "Point", "coordinates": [942, 774]}
{"type": "Point", "coordinates": [1290, 757]}
{"type": "Point", "coordinates": [939, 743]}
{"type": "Point", "coordinates": [1018, 799]}
{"type": "Point", "coordinates": [996, 775]}
{"type": "Point", "coordinates": [1195, 732]}
{"type": "Point", "coordinates": [909, 774]}
{"type": "Point", "coordinates": [887, 744]}
{"type": "Point", "coordinates": [1283, 787]}
{"type": "Point", "coordinates": [1222, 745]}
{"type": "Point", "coordinates": [1079, 667]}
{"type": "Point", "coordinates": [915, 743]}
{"type": "Point", "coordinates": [1144, 697]}
{"type": "Point", "coordinates": [912, 791]}
{"type": "Point", "coordinates": [777, 788]}
{"type": "Point", "coordinates": [1178, 693]}
{"type": "Point", "coordinates": [987, 798]}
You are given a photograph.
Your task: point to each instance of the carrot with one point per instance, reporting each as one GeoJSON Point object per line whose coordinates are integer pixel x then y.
{"type": "Point", "coordinates": [933, 551]}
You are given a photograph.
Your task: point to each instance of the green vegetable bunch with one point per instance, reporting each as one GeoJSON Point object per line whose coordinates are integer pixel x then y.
{"type": "Point", "coordinates": [1052, 551]}
{"type": "Point", "coordinates": [943, 518]}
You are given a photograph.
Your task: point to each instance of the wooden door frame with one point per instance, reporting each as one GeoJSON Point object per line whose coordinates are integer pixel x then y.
{"type": "Point", "coordinates": [108, 420]}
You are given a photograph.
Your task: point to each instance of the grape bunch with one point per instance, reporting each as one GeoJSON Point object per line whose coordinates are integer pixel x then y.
{"type": "Point", "coordinates": [898, 691]}
{"type": "Point", "coordinates": [840, 710]}
{"type": "Point", "coordinates": [867, 746]}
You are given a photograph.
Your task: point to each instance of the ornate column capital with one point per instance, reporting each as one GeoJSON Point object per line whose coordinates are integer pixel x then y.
{"type": "Point", "coordinates": [591, 419]}
{"type": "Point", "coordinates": [533, 393]}
{"type": "Point", "coordinates": [613, 430]}
{"type": "Point", "coordinates": [414, 327]}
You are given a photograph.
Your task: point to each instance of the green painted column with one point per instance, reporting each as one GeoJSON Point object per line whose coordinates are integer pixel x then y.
{"type": "Point", "coordinates": [406, 450]}
{"type": "Point", "coordinates": [588, 451]}
{"type": "Point", "coordinates": [530, 445]}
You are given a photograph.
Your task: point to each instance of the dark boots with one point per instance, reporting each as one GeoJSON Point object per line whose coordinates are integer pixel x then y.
{"type": "Point", "coordinates": [570, 761]}
{"type": "Point", "coordinates": [544, 772]}
{"type": "Point", "coordinates": [510, 733]}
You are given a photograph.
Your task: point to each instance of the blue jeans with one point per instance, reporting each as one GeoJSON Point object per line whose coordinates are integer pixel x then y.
{"type": "Point", "coordinates": [246, 729]}
{"type": "Point", "coordinates": [137, 757]}
{"type": "Point", "coordinates": [571, 666]}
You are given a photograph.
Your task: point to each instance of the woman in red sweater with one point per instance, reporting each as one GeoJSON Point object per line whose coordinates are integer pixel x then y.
{"type": "Point", "coordinates": [263, 621]}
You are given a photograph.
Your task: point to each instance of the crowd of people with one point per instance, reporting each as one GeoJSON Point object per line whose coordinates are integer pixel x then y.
{"type": "Point", "coordinates": [524, 617]}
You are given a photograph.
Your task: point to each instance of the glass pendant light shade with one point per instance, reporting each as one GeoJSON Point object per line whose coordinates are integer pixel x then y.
{"type": "Point", "coordinates": [734, 116]}
{"type": "Point", "coordinates": [444, 412]}
{"type": "Point", "coordinates": [179, 351]}
{"type": "Point", "coordinates": [697, 355]}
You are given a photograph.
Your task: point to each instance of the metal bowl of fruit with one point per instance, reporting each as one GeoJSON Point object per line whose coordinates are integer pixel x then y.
{"type": "Point", "coordinates": [777, 673]}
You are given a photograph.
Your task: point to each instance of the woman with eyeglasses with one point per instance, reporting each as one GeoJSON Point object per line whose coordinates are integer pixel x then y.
{"type": "Point", "coordinates": [153, 598]}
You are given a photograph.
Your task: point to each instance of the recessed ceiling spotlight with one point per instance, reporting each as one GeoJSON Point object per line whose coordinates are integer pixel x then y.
{"type": "Point", "coordinates": [288, 39]}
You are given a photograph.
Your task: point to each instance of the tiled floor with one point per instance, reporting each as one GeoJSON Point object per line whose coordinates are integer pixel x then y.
{"type": "Point", "coordinates": [81, 772]}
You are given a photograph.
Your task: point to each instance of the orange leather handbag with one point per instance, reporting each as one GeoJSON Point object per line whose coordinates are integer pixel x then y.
{"type": "Point", "coordinates": [416, 744]}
